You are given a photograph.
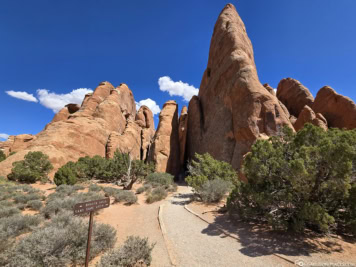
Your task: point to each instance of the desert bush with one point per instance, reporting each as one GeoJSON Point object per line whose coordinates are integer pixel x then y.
{"type": "Point", "coordinates": [2, 155]}
{"type": "Point", "coordinates": [135, 251]}
{"type": "Point", "coordinates": [6, 203]}
{"type": "Point", "coordinates": [66, 189]}
{"type": "Point", "coordinates": [24, 198]}
{"type": "Point", "coordinates": [35, 204]}
{"type": "Point", "coordinates": [17, 224]}
{"type": "Point", "coordinates": [157, 179]}
{"type": "Point", "coordinates": [7, 211]}
{"type": "Point", "coordinates": [95, 188]}
{"type": "Point", "coordinates": [110, 191]}
{"type": "Point", "coordinates": [156, 194]}
{"type": "Point", "coordinates": [145, 188]}
{"type": "Point", "coordinates": [214, 190]}
{"type": "Point", "coordinates": [35, 167]}
{"type": "Point", "coordinates": [66, 174]}
{"type": "Point", "coordinates": [61, 242]}
{"type": "Point", "coordinates": [299, 180]}
{"type": "Point", "coordinates": [60, 202]}
{"type": "Point", "coordinates": [206, 168]}
{"type": "Point", "coordinates": [127, 197]}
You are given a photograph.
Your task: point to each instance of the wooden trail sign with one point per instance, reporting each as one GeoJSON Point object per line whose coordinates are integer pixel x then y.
{"type": "Point", "coordinates": [90, 206]}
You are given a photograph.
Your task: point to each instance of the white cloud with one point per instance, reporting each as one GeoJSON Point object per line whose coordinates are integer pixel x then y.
{"type": "Point", "coordinates": [4, 136]}
{"type": "Point", "coordinates": [166, 84]}
{"type": "Point", "coordinates": [22, 95]}
{"type": "Point", "coordinates": [57, 101]}
{"type": "Point", "coordinates": [151, 104]}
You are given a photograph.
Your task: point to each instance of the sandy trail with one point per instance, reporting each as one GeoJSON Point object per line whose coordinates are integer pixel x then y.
{"type": "Point", "coordinates": [194, 248]}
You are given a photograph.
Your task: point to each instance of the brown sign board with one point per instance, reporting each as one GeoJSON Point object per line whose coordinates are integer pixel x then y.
{"type": "Point", "coordinates": [90, 206]}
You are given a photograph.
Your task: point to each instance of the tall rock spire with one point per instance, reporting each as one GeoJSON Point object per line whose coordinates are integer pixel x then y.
{"type": "Point", "coordinates": [233, 109]}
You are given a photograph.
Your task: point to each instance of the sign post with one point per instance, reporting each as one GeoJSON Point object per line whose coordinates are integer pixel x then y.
{"type": "Point", "coordinates": [91, 207]}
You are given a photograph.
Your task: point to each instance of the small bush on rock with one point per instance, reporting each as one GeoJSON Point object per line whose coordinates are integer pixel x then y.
{"type": "Point", "coordinates": [134, 252]}
{"type": "Point", "coordinates": [35, 167]}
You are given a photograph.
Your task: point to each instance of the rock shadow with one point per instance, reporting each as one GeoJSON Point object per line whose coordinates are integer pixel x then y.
{"type": "Point", "coordinates": [182, 199]}
{"type": "Point", "coordinates": [259, 240]}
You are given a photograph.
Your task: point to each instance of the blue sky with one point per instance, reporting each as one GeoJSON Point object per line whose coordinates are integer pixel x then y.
{"type": "Point", "coordinates": [61, 46]}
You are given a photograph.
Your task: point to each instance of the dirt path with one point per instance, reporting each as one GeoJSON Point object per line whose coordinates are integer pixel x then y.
{"type": "Point", "coordinates": [141, 220]}
{"type": "Point", "coordinates": [192, 247]}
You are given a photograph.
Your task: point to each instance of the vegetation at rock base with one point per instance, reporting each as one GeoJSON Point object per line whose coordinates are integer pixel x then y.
{"type": "Point", "coordinates": [299, 180]}
{"type": "Point", "coordinates": [121, 169]}
{"type": "Point", "coordinates": [35, 167]}
{"type": "Point", "coordinates": [2, 155]}
{"type": "Point", "coordinates": [134, 252]}
{"type": "Point", "coordinates": [211, 179]}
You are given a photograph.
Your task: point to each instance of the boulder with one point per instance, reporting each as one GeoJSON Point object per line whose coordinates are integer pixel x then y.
{"type": "Point", "coordinates": [294, 95]}
{"type": "Point", "coordinates": [165, 147]}
{"type": "Point", "coordinates": [307, 115]}
{"type": "Point", "coordinates": [182, 133]}
{"type": "Point", "coordinates": [233, 108]}
{"type": "Point", "coordinates": [338, 110]}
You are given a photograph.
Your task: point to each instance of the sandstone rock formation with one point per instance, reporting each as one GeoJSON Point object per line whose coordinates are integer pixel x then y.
{"type": "Point", "coordinates": [182, 133]}
{"type": "Point", "coordinates": [269, 89]}
{"type": "Point", "coordinates": [64, 113]}
{"type": "Point", "coordinates": [233, 109]}
{"type": "Point", "coordinates": [165, 147]}
{"type": "Point", "coordinates": [308, 115]}
{"type": "Point", "coordinates": [137, 137]}
{"type": "Point", "coordinates": [5, 146]}
{"type": "Point", "coordinates": [107, 112]}
{"type": "Point", "coordinates": [294, 95]}
{"type": "Point", "coordinates": [338, 110]}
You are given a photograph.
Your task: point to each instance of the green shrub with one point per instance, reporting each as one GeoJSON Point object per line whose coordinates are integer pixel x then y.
{"type": "Point", "coordinates": [140, 190]}
{"type": "Point", "coordinates": [207, 168]}
{"type": "Point", "coordinates": [214, 190]}
{"type": "Point", "coordinates": [110, 191]}
{"type": "Point", "coordinates": [17, 224]}
{"type": "Point", "coordinates": [95, 188]}
{"type": "Point", "coordinates": [157, 179]}
{"type": "Point", "coordinates": [61, 242]}
{"type": "Point", "coordinates": [156, 194]}
{"type": "Point", "coordinates": [58, 203]}
{"type": "Point", "coordinates": [127, 197]}
{"type": "Point", "coordinates": [299, 180]}
{"type": "Point", "coordinates": [35, 167]}
{"type": "Point", "coordinates": [35, 204]}
{"type": "Point", "coordinates": [24, 198]}
{"type": "Point", "coordinates": [67, 174]}
{"type": "Point", "coordinates": [7, 211]}
{"type": "Point", "coordinates": [2, 155]}
{"type": "Point", "coordinates": [135, 252]}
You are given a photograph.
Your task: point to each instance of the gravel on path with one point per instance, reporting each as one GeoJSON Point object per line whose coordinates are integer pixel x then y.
{"type": "Point", "coordinates": [194, 248]}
